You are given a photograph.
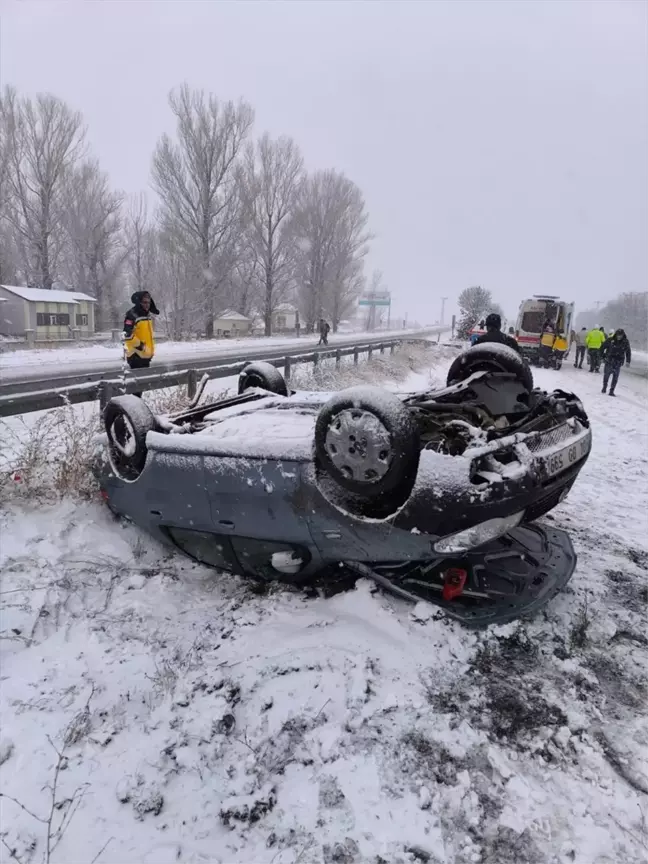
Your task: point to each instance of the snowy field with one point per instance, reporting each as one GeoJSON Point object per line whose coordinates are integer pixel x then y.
{"type": "Point", "coordinates": [156, 711]}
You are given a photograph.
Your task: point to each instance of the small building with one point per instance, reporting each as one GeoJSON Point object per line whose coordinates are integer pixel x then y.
{"type": "Point", "coordinates": [284, 318]}
{"type": "Point", "coordinates": [46, 316]}
{"type": "Point", "coordinates": [231, 325]}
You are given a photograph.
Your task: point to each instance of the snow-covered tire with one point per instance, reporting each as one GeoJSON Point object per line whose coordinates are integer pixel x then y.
{"type": "Point", "coordinates": [263, 375]}
{"type": "Point", "coordinates": [367, 441]}
{"type": "Point", "coordinates": [128, 420]}
{"type": "Point", "coordinates": [494, 357]}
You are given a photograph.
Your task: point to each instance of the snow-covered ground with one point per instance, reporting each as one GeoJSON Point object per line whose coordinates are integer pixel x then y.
{"type": "Point", "coordinates": [84, 356]}
{"type": "Point", "coordinates": [179, 715]}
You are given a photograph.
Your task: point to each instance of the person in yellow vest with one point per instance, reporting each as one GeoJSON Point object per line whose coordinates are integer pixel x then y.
{"type": "Point", "coordinates": [138, 336]}
{"type": "Point", "coordinates": [560, 343]}
{"type": "Point", "coordinates": [546, 344]}
{"type": "Point", "coordinates": [594, 340]}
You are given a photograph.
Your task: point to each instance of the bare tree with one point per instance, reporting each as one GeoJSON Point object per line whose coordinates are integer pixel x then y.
{"type": "Point", "coordinates": [46, 141]}
{"type": "Point", "coordinates": [178, 280]}
{"type": "Point", "coordinates": [141, 242]}
{"type": "Point", "coordinates": [245, 293]}
{"type": "Point", "coordinates": [271, 174]}
{"type": "Point", "coordinates": [331, 236]}
{"type": "Point", "coordinates": [196, 180]}
{"type": "Point", "coordinates": [8, 252]}
{"type": "Point", "coordinates": [92, 219]}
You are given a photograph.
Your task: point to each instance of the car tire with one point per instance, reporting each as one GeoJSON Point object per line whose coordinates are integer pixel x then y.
{"type": "Point", "coordinates": [128, 420]}
{"type": "Point", "coordinates": [367, 441]}
{"type": "Point", "coordinates": [491, 356]}
{"type": "Point", "coordinates": [263, 375]}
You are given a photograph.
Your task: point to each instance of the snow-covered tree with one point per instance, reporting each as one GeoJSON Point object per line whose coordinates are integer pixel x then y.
{"type": "Point", "coordinates": [474, 304]}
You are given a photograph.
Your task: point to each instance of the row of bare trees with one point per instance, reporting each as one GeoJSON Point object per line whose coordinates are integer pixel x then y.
{"type": "Point", "coordinates": [230, 222]}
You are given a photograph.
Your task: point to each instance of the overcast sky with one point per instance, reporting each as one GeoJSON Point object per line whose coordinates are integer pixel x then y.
{"type": "Point", "coordinates": [497, 143]}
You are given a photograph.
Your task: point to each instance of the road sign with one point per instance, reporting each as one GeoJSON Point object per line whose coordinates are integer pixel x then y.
{"type": "Point", "coordinates": [374, 302]}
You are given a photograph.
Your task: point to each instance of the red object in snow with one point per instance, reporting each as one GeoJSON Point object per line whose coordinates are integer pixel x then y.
{"type": "Point", "coordinates": [454, 580]}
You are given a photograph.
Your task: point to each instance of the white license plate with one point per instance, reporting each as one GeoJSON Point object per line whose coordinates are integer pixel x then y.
{"type": "Point", "coordinates": [568, 456]}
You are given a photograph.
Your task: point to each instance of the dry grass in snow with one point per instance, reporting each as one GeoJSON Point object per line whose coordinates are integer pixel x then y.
{"type": "Point", "coordinates": [50, 455]}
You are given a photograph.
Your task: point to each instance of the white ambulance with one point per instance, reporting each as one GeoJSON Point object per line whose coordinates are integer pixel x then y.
{"type": "Point", "coordinates": [534, 314]}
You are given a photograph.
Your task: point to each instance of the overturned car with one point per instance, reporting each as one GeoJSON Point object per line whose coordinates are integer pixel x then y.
{"type": "Point", "coordinates": [433, 495]}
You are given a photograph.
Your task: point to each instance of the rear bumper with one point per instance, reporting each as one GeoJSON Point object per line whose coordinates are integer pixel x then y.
{"type": "Point", "coordinates": [511, 577]}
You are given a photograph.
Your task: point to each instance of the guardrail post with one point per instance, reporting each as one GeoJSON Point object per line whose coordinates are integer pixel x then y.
{"type": "Point", "coordinates": [369, 353]}
{"type": "Point", "coordinates": [105, 393]}
{"type": "Point", "coordinates": [338, 357]}
{"type": "Point", "coordinates": [192, 383]}
{"type": "Point", "coordinates": [287, 369]}
{"type": "Point", "coordinates": [391, 348]}
{"type": "Point", "coordinates": [382, 348]}
{"type": "Point", "coordinates": [355, 356]}
{"type": "Point", "coordinates": [315, 360]}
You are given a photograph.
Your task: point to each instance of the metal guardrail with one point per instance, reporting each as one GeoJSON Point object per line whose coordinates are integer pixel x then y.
{"type": "Point", "coordinates": [17, 399]}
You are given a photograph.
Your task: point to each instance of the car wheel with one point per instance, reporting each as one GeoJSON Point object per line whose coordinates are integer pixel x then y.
{"type": "Point", "coordinates": [367, 441]}
{"type": "Point", "coordinates": [263, 375]}
{"type": "Point", "coordinates": [493, 357]}
{"type": "Point", "coordinates": [128, 420]}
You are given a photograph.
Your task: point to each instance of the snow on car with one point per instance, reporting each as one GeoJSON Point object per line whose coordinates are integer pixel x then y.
{"type": "Point", "coordinates": [432, 494]}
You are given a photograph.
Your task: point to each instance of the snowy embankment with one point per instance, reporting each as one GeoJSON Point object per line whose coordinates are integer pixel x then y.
{"type": "Point", "coordinates": [161, 712]}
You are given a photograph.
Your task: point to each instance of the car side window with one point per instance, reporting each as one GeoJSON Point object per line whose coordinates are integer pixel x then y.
{"type": "Point", "coordinates": [269, 559]}
{"type": "Point", "coordinates": [211, 549]}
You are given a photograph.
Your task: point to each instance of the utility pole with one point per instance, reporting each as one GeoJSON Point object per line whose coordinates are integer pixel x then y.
{"type": "Point", "coordinates": [443, 302]}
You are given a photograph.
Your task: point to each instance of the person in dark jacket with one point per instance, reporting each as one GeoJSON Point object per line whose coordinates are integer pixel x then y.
{"type": "Point", "coordinates": [324, 328]}
{"type": "Point", "coordinates": [614, 352]}
{"type": "Point", "coordinates": [494, 333]}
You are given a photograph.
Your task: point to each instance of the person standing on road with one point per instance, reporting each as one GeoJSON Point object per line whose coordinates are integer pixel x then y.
{"type": "Point", "coordinates": [615, 351]}
{"type": "Point", "coordinates": [138, 336]}
{"type": "Point", "coordinates": [324, 328]}
{"type": "Point", "coordinates": [494, 333]}
{"type": "Point", "coordinates": [579, 340]}
{"type": "Point", "coordinates": [594, 340]}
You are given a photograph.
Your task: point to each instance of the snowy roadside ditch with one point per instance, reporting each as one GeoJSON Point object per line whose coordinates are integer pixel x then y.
{"type": "Point", "coordinates": [157, 711]}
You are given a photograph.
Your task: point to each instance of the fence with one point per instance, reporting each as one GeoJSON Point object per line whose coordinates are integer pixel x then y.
{"type": "Point", "coordinates": [61, 393]}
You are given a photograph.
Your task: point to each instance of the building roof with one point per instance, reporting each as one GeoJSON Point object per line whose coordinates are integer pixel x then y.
{"type": "Point", "coordinates": [42, 295]}
{"type": "Point", "coordinates": [231, 316]}
{"type": "Point", "coordinates": [285, 307]}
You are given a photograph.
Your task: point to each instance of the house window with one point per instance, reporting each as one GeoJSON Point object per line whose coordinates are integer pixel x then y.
{"type": "Point", "coordinates": [82, 320]}
{"type": "Point", "coordinates": [281, 322]}
{"type": "Point", "coordinates": [51, 319]}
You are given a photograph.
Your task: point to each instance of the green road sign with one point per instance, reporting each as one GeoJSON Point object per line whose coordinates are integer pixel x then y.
{"type": "Point", "coordinates": [374, 302]}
